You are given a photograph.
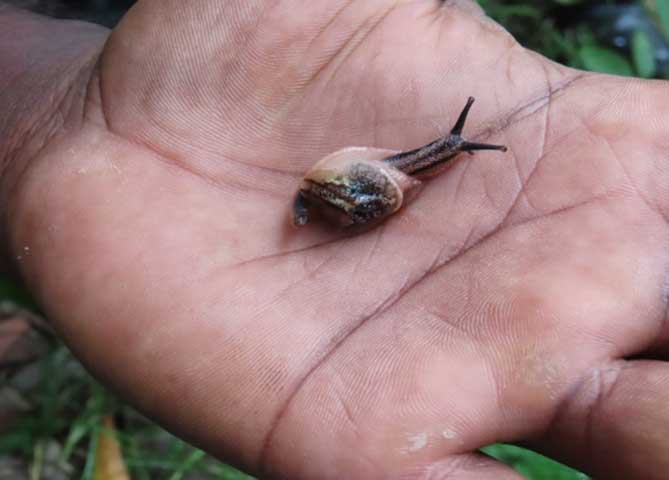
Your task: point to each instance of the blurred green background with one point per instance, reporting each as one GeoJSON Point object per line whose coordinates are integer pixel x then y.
{"type": "Point", "coordinates": [55, 436]}
{"type": "Point", "coordinates": [624, 38]}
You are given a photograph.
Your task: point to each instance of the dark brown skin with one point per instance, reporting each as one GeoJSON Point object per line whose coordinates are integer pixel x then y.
{"type": "Point", "coordinates": [521, 299]}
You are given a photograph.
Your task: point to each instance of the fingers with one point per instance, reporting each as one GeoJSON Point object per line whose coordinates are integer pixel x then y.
{"type": "Point", "coordinates": [462, 467]}
{"type": "Point", "coordinates": [616, 425]}
{"type": "Point", "coordinates": [659, 348]}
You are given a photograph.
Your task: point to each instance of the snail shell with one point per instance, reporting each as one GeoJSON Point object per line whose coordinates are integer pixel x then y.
{"type": "Point", "coordinates": [354, 186]}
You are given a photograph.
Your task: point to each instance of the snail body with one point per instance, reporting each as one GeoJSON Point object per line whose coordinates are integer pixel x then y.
{"type": "Point", "coordinates": [362, 185]}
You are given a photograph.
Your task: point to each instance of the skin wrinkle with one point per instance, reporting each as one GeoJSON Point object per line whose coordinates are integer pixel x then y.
{"type": "Point", "coordinates": [354, 42]}
{"type": "Point", "coordinates": [565, 209]}
{"type": "Point", "coordinates": [561, 410]}
{"type": "Point", "coordinates": [354, 428]}
{"type": "Point", "coordinates": [52, 125]}
{"type": "Point", "coordinates": [513, 118]}
{"type": "Point", "coordinates": [457, 326]}
{"type": "Point", "coordinates": [639, 194]}
{"type": "Point", "coordinates": [377, 238]}
{"type": "Point", "coordinates": [309, 275]}
{"type": "Point", "coordinates": [461, 178]}
{"type": "Point", "coordinates": [520, 194]}
{"type": "Point", "coordinates": [66, 102]}
{"type": "Point", "coordinates": [663, 321]}
{"type": "Point", "coordinates": [434, 18]}
{"type": "Point", "coordinates": [507, 71]}
{"type": "Point", "coordinates": [631, 181]}
{"type": "Point", "coordinates": [41, 123]}
{"type": "Point", "coordinates": [288, 253]}
{"type": "Point", "coordinates": [248, 33]}
{"type": "Point", "coordinates": [603, 391]}
{"type": "Point", "coordinates": [439, 261]}
{"type": "Point", "coordinates": [336, 344]}
{"type": "Point", "coordinates": [214, 180]}
{"type": "Point", "coordinates": [573, 394]}
{"type": "Point", "coordinates": [525, 183]}
{"type": "Point", "coordinates": [544, 141]}
{"type": "Point", "coordinates": [320, 266]}
{"type": "Point", "coordinates": [454, 325]}
{"type": "Point", "coordinates": [317, 73]}
{"type": "Point", "coordinates": [176, 160]}
{"type": "Point", "coordinates": [487, 193]}
{"type": "Point", "coordinates": [97, 82]}
{"type": "Point", "coordinates": [349, 415]}
{"type": "Point", "coordinates": [374, 119]}
{"type": "Point", "coordinates": [306, 277]}
{"type": "Point", "coordinates": [90, 102]}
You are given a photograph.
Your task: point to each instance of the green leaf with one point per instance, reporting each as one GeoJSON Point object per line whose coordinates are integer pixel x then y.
{"type": "Point", "coordinates": [78, 431]}
{"type": "Point", "coordinates": [532, 465]}
{"type": "Point", "coordinates": [604, 60]}
{"type": "Point", "coordinates": [663, 14]}
{"type": "Point", "coordinates": [89, 466]}
{"type": "Point", "coordinates": [194, 457]}
{"type": "Point", "coordinates": [643, 54]}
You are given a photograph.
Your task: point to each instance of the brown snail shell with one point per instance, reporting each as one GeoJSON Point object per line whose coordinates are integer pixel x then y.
{"type": "Point", "coordinates": [362, 185]}
{"type": "Point", "coordinates": [355, 186]}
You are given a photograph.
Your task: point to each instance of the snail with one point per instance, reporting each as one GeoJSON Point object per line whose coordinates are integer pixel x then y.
{"type": "Point", "coordinates": [362, 185]}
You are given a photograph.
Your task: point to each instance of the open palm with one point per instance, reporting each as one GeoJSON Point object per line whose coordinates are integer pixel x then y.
{"type": "Point", "coordinates": [502, 305]}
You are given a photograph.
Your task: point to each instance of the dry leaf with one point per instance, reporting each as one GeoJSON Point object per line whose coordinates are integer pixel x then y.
{"type": "Point", "coordinates": [109, 463]}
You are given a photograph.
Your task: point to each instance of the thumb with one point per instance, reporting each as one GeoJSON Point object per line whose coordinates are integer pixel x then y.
{"type": "Point", "coordinates": [617, 424]}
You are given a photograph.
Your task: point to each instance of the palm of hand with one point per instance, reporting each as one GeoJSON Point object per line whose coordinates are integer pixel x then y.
{"type": "Point", "coordinates": [496, 308]}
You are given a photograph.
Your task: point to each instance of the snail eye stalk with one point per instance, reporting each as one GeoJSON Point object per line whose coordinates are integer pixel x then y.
{"type": "Point", "coordinates": [460, 123]}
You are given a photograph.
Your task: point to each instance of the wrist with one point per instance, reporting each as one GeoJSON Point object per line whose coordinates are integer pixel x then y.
{"type": "Point", "coordinates": [47, 65]}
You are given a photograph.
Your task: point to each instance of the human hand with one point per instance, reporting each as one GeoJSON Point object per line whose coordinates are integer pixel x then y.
{"type": "Point", "coordinates": [503, 304]}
